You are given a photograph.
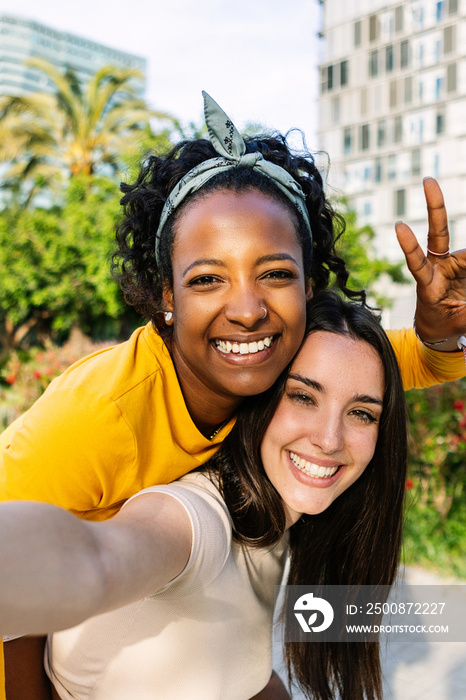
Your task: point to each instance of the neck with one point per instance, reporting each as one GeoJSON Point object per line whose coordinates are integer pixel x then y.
{"type": "Point", "coordinates": [207, 408]}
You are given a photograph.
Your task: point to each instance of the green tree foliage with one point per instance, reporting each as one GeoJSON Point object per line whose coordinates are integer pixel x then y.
{"type": "Point", "coordinates": [367, 268]}
{"type": "Point", "coordinates": [79, 129]}
{"type": "Point", "coordinates": [54, 267]}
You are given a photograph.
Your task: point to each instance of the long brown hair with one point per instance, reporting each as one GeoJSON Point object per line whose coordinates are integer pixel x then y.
{"type": "Point", "coordinates": [357, 540]}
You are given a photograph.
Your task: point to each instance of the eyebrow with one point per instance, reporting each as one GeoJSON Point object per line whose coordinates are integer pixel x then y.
{"type": "Point", "coordinates": [364, 398]}
{"type": "Point", "coordinates": [263, 259]}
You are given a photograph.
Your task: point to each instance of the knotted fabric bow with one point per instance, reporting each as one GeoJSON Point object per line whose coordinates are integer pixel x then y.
{"type": "Point", "coordinates": [231, 148]}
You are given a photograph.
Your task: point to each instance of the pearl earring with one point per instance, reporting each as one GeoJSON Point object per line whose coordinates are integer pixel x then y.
{"type": "Point", "coordinates": [168, 316]}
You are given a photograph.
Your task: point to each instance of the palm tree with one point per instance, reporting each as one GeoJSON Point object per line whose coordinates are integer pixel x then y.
{"type": "Point", "coordinates": [77, 129]}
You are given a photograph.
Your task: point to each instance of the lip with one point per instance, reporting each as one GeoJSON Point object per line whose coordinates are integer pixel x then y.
{"type": "Point", "coordinates": [251, 358]}
{"type": "Point", "coordinates": [320, 483]}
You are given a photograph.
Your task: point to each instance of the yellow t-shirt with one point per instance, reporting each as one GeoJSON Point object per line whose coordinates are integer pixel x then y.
{"type": "Point", "coordinates": [112, 424]}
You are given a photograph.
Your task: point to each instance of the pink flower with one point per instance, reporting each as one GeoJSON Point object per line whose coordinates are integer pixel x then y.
{"type": "Point", "coordinates": [458, 405]}
{"type": "Point", "coordinates": [37, 374]}
{"type": "Point", "coordinates": [11, 378]}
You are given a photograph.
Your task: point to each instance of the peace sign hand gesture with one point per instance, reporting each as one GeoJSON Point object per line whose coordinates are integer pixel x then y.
{"type": "Point", "coordinates": [440, 276]}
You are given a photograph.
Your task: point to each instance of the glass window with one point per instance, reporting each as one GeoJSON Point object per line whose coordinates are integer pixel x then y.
{"type": "Point", "coordinates": [439, 123]}
{"type": "Point", "coordinates": [335, 110]}
{"type": "Point", "coordinates": [404, 54]}
{"type": "Point", "coordinates": [391, 167]}
{"type": "Point", "coordinates": [448, 39]}
{"type": "Point", "coordinates": [364, 137]}
{"type": "Point", "coordinates": [436, 165]}
{"type": "Point", "coordinates": [374, 64]}
{"type": "Point", "coordinates": [438, 88]}
{"type": "Point", "coordinates": [399, 18]}
{"type": "Point", "coordinates": [378, 170]}
{"type": "Point", "coordinates": [408, 90]}
{"type": "Point", "coordinates": [451, 77]}
{"type": "Point", "coordinates": [344, 73]}
{"type": "Point", "coordinates": [373, 28]}
{"type": "Point", "coordinates": [329, 77]}
{"type": "Point", "coordinates": [358, 33]}
{"type": "Point", "coordinates": [389, 58]}
{"type": "Point", "coordinates": [400, 203]}
{"type": "Point", "coordinates": [323, 80]}
{"type": "Point", "coordinates": [440, 9]}
{"type": "Point", "coordinates": [381, 133]}
{"type": "Point", "coordinates": [452, 7]}
{"type": "Point", "coordinates": [416, 162]}
{"type": "Point", "coordinates": [347, 140]}
{"type": "Point", "coordinates": [398, 129]}
{"type": "Point", "coordinates": [393, 93]}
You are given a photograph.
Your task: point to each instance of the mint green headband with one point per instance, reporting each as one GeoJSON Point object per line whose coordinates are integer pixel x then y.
{"type": "Point", "coordinates": [231, 148]}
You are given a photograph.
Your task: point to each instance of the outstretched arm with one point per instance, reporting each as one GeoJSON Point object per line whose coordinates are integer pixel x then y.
{"type": "Point", "coordinates": [440, 276]}
{"type": "Point", "coordinates": [57, 570]}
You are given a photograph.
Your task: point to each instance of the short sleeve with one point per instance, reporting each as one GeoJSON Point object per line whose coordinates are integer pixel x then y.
{"type": "Point", "coordinates": [211, 532]}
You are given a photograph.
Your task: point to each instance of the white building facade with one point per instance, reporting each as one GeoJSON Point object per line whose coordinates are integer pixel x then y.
{"type": "Point", "coordinates": [21, 39]}
{"type": "Point", "coordinates": [392, 109]}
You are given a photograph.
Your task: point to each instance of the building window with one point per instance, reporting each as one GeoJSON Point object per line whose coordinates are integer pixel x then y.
{"type": "Point", "coordinates": [440, 10]}
{"type": "Point", "coordinates": [452, 7]}
{"type": "Point", "coordinates": [347, 140]}
{"type": "Point", "coordinates": [404, 54]}
{"type": "Point", "coordinates": [408, 90]}
{"type": "Point", "coordinates": [418, 17]}
{"type": "Point", "coordinates": [381, 133]}
{"type": "Point", "coordinates": [448, 39]}
{"type": "Point", "coordinates": [336, 110]}
{"type": "Point", "coordinates": [391, 167]}
{"type": "Point", "coordinates": [367, 208]}
{"type": "Point", "coordinates": [329, 77]}
{"type": "Point", "coordinates": [373, 28]}
{"type": "Point", "coordinates": [399, 18]}
{"type": "Point", "coordinates": [437, 51]}
{"type": "Point", "coordinates": [374, 64]}
{"type": "Point", "coordinates": [398, 129]}
{"type": "Point", "coordinates": [323, 80]}
{"type": "Point", "coordinates": [392, 93]}
{"type": "Point", "coordinates": [358, 33]}
{"type": "Point", "coordinates": [451, 77]}
{"type": "Point", "coordinates": [436, 165]}
{"type": "Point", "coordinates": [389, 58]}
{"type": "Point", "coordinates": [363, 97]}
{"type": "Point", "coordinates": [400, 203]}
{"type": "Point", "coordinates": [421, 54]}
{"type": "Point", "coordinates": [378, 170]}
{"type": "Point", "coordinates": [416, 162]}
{"type": "Point", "coordinates": [421, 90]}
{"type": "Point", "coordinates": [364, 137]}
{"type": "Point", "coordinates": [344, 73]}
{"type": "Point", "coordinates": [439, 123]}
{"type": "Point", "coordinates": [438, 88]}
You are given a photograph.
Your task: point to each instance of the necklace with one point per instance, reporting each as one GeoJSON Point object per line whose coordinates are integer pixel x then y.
{"type": "Point", "coordinates": [217, 430]}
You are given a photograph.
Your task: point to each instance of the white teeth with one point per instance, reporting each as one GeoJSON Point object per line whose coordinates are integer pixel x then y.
{"type": "Point", "coordinates": [312, 469]}
{"type": "Point", "coordinates": [244, 348]}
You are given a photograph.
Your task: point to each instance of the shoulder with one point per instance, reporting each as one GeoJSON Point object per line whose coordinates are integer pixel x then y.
{"type": "Point", "coordinates": [211, 528]}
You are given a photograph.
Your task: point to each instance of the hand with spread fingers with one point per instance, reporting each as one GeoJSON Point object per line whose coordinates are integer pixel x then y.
{"type": "Point", "coordinates": [440, 276]}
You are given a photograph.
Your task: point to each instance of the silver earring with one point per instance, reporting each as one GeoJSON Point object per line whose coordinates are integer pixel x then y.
{"type": "Point", "coordinates": [265, 312]}
{"type": "Point", "coordinates": [168, 316]}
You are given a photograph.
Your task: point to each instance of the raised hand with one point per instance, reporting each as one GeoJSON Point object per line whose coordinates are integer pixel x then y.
{"type": "Point", "coordinates": [440, 275]}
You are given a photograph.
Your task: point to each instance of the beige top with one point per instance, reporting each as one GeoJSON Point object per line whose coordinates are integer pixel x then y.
{"type": "Point", "coordinates": [207, 635]}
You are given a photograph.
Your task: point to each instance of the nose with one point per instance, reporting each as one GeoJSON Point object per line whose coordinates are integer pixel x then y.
{"type": "Point", "coordinates": [245, 306]}
{"type": "Point", "coordinates": [327, 432]}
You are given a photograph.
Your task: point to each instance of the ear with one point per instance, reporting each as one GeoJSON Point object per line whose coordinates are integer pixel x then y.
{"type": "Point", "coordinates": [308, 289]}
{"type": "Point", "coordinates": [167, 302]}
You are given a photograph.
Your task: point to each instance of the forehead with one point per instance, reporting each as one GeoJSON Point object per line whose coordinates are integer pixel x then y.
{"type": "Point", "coordinates": [211, 208]}
{"type": "Point", "coordinates": [340, 362]}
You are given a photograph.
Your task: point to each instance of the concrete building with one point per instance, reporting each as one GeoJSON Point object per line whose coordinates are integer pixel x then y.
{"type": "Point", "coordinates": [392, 109]}
{"type": "Point", "coordinates": [22, 38]}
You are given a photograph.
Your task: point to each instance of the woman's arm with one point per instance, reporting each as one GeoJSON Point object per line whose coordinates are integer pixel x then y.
{"type": "Point", "coordinates": [57, 570]}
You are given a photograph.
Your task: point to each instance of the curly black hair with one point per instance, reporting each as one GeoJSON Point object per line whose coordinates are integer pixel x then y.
{"type": "Point", "coordinates": [134, 263]}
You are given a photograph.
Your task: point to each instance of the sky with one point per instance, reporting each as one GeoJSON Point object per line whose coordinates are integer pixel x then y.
{"type": "Point", "coordinates": [257, 58]}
